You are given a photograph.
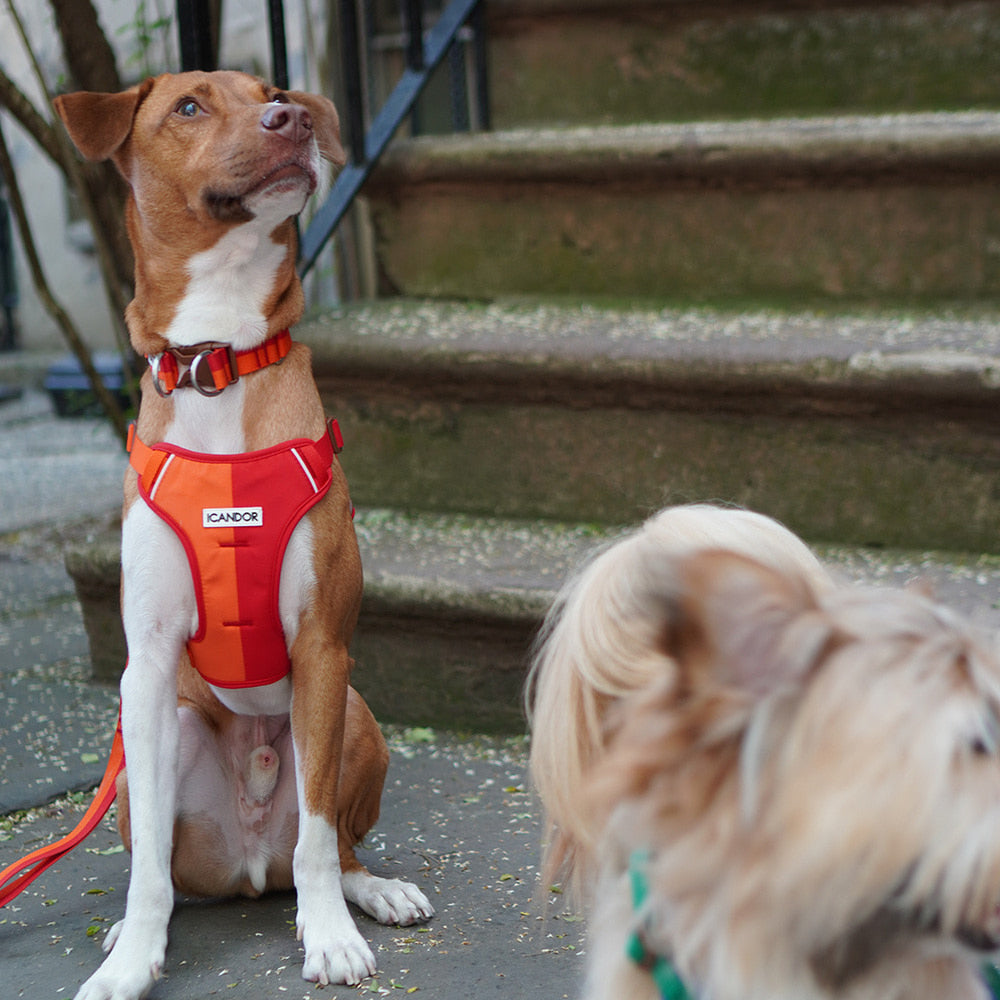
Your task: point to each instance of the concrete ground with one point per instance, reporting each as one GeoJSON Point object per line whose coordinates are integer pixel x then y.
{"type": "Point", "coordinates": [458, 817]}
{"type": "Point", "coordinates": [457, 820]}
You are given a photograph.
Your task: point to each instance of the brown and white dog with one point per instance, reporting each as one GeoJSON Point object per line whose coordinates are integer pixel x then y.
{"type": "Point", "coordinates": [777, 787]}
{"type": "Point", "coordinates": [234, 790]}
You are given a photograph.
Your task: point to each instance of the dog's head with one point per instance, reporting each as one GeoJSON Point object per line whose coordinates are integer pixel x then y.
{"type": "Point", "coordinates": [223, 146]}
{"type": "Point", "coordinates": [205, 154]}
{"type": "Point", "coordinates": [816, 776]}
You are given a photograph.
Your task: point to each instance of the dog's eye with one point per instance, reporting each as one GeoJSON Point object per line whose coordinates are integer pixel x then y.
{"type": "Point", "coordinates": [188, 107]}
{"type": "Point", "coordinates": [281, 99]}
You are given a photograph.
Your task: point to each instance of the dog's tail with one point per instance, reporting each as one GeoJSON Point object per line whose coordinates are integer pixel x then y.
{"type": "Point", "coordinates": [602, 641]}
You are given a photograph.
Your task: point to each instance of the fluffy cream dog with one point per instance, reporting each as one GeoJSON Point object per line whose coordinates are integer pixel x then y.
{"type": "Point", "coordinates": [777, 788]}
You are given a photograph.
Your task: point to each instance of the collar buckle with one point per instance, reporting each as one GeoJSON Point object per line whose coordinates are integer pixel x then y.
{"type": "Point", "coordinates": [212, 365]}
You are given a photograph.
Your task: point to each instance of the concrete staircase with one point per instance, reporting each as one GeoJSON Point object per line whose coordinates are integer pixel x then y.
{"type": "Point", "coordinates": [744, 252]}
{"type": "Point", "coordinates": [789, 153]}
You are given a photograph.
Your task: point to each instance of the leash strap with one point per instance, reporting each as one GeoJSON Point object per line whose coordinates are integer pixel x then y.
{"type": "Point", "coordinates": [17, 877]}
{"type": "Point", "coordinates": [668, 983]}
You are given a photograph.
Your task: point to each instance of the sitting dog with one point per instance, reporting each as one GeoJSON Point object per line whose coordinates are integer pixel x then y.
{"type": "Point", "coordinates": [251, 763]}
{"type": "Point", "coordinates": [775, 787]}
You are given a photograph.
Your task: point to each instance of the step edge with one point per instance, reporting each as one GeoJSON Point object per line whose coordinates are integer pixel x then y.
{"type": "Point", "coordinates": [954, 141]}
{"type": "Point", "coordinates": [871, 356]}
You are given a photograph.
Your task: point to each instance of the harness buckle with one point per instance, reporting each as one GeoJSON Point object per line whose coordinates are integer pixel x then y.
{"type": "Point", "coordinates": [336, 437]}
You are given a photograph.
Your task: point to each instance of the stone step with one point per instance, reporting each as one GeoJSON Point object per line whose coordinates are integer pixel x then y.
{"type": "Point", "coordinates": [625, 61]}
{"type": "Point", "coordinates": [452, 605]}
{"type": "Point", "coordinates": [450, 608]}
{"type": "Point", "coordinates": [814, 212]}
{"type": "Point", "coordinates": [871, 430]}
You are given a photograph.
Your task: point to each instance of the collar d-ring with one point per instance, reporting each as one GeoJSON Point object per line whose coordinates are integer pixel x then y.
{"type": "Point", "coordinates": [154, 368]}
{"type": "Point", "coordinates": [196, 361]}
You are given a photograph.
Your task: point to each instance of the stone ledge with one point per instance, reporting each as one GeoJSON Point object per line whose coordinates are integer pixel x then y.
{"type": "Point", "coordinates": [452, 606]}
{"type": "Point", "coordinates": [522, 352]}
{"type": "Point", "coordinates": [748, 152]}
{"type": "Point", "coordinates": [894, 208]}
{"type": "Point", "coordinates": [450, 609]}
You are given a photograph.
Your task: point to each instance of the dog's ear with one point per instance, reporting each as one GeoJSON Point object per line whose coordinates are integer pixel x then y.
{"type": "Point", "coordinates": [98, 123]}
{"type": "Point", "coordinates": [326, 124]}
{"type": "Point", "coordinates": [746, 625]}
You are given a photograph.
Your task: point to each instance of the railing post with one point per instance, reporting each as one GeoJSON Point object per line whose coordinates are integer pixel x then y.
{"type": "Point", "coordinates": [413, 13]}
{"type": "Point", "coordinates": [414, 17]}
{"type": "Point", "coordinates": [477, 21]}
{"type": "Point", "coordinates": [279, 48]}
{"type": "Point", "coordinates": [367, 148]}
{"type": "Point", "coordinates": [353, 91]}
{"type": "Point", "coordinates": [194, 29]}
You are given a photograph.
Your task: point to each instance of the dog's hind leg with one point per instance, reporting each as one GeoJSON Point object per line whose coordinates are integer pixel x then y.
{"type": "Point", "coordinates": [362, 775]}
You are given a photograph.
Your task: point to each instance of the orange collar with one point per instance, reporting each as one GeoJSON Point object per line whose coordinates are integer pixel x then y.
{"type": "Point", "coordinates": [212, 365]}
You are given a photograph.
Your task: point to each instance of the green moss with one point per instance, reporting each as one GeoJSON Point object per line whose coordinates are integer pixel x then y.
{"type": "Point", "coordinates": [832, 480]}
{"type": "Point", "coordinates": [660, 66]}
{"type": "Point", "coordinates": [909, 243]}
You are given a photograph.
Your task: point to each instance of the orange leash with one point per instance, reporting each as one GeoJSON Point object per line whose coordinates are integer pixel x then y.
{"type": "Point", "coordinates": [17, 877]}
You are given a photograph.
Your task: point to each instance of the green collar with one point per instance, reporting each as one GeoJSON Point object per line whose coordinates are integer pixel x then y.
{"type": "Point", "coordinates": [667, 981]}
{"type": "Point", "coordinates": [670, 985]}
{"type": "Point", "coordinates": [992, 978]}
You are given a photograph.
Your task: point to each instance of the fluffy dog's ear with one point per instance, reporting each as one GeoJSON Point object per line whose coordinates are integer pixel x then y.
{"type": "Point", "coordinates": [98, 123]}
{"type": "Point", "coordinates": [746, 625]}
{"type": "Point", "coordinates": [326, 124]}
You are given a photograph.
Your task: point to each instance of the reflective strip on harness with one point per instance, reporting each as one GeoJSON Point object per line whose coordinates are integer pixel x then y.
{"type": "Point", "coordinates": [234, 515]}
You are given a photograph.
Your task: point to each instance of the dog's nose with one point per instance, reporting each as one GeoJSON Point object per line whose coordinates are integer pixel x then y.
{"type": "Point", "coordinates": [291, 121]}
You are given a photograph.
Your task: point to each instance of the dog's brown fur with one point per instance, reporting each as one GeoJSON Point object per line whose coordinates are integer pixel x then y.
{"type": "Point", "coordinates": [218, 165]}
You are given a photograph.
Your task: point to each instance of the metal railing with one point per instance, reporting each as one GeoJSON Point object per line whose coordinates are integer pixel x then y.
{"type": "Point", "coordinates": [424, 52]}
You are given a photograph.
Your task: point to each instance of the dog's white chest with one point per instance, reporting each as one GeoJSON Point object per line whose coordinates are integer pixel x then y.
{"type": "Point", "coordinates": [228, 286]}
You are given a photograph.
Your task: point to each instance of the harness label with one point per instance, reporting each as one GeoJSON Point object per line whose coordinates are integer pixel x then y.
{"type": "Point", "coordinates": [228, 517]}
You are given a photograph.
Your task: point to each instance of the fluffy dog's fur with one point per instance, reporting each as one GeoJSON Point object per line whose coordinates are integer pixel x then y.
{"type": "Point", "coordinates": [811, 770]}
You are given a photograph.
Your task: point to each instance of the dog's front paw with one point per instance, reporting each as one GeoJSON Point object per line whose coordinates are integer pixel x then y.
{"type": "Point", "coordinates": [388, 900]}
{"type": "Point", "coordinates": [118, 980]}
{"type": "Point", "coordinates": [338, 954]}
{"type": "Point", "coordinates": [134, 963]}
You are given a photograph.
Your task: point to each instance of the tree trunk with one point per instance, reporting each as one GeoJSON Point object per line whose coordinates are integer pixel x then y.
{"type": "Point", "coordinates": [89, 56]}
{"type": "Point", "coordinates": [91, 63]}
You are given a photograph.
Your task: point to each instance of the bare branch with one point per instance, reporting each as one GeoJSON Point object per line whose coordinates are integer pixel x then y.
{"type": "Point", "coordinates": [30, 119]}
{"type": "Point", "coordinates": [86, 194]}
{"type": "Point", "coordinates": [49, 301]}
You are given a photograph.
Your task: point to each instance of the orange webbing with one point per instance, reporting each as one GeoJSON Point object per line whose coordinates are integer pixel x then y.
{"type": "Point", "coordinates": [17, 877]}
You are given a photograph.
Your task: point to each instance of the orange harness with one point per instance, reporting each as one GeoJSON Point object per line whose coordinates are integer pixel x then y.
{"type": "Point", "coordinates": [234, 515]}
